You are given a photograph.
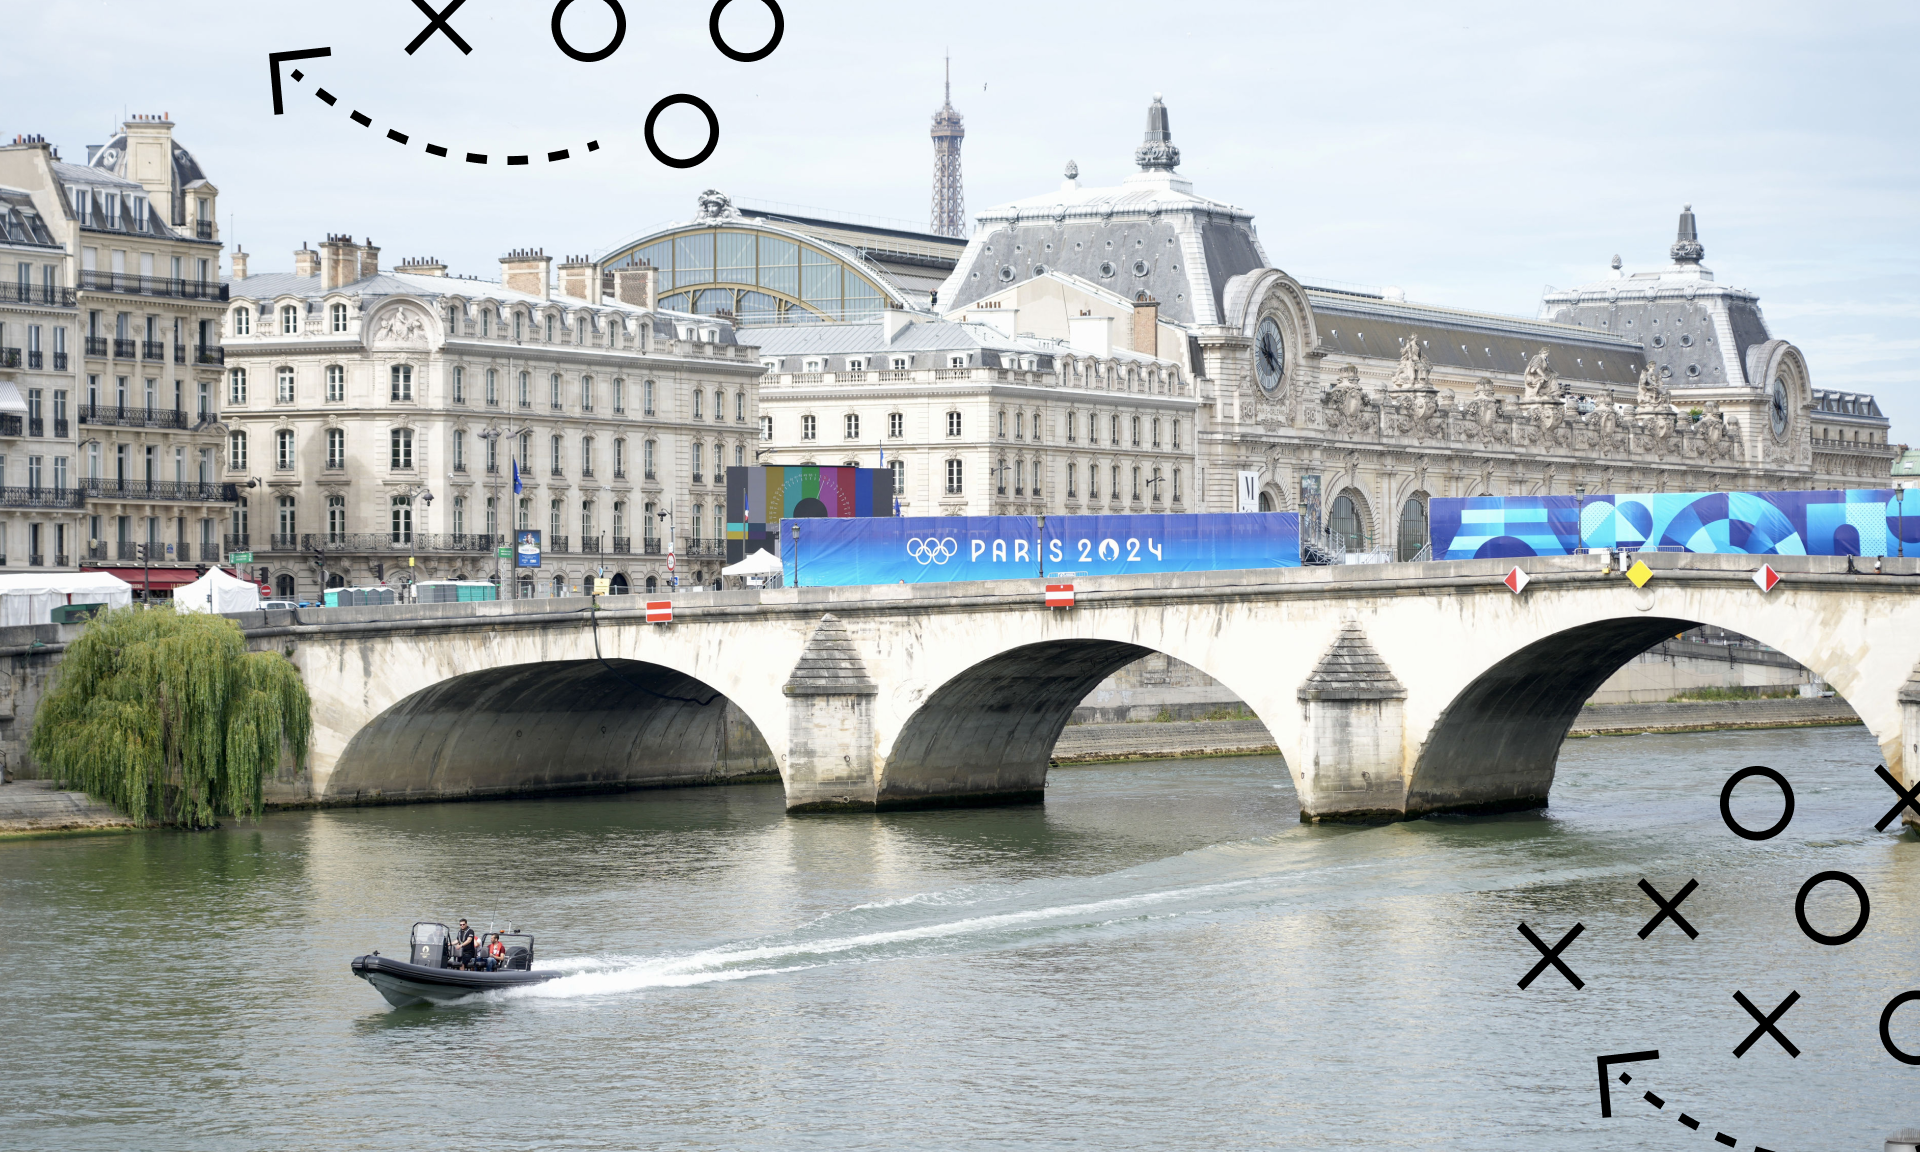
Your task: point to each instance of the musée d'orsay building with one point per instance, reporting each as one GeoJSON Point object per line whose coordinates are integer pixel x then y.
{"type": "Point", "coordinates": [1352, 407]}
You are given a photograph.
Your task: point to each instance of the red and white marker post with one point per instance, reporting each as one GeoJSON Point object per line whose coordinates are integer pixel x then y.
{"type": "Point", "coordinates": [1766, 578]}
{"type": "Point", "coordinates": [1516, 580]}
{"type": "Point", "coordinates": [1059, 595]}
{"type": "Point", "coordinates": [659, 611]}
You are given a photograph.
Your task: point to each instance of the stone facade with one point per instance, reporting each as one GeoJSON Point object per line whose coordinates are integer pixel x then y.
{"type": "Point", "coordinates": [380, 416]}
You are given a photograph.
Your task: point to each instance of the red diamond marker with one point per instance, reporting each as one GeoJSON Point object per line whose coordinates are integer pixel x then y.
{"type": "Point", "coordinates": [1516, 580]}
{"type": "Point", "coordinates": [1766, 577]}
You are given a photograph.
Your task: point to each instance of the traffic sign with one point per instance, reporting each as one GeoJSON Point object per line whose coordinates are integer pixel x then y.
{"type": "Point", "coordinates": [602, 586]}
{"type": "Point", "coordinates": [505, 553]}
{"type": "Point", "coordinates": [1516, 580]}
{"type": "Point", "coordinates": [239, 557]}
{"type": "Point", "coordinates": [1059, 595]}
{"type": "Point", "coordinates": [1766, 577]}
{"type": "Point", "coordinates": [659, 611]}
{"type": "Point", "coordinates": [1639, 573]}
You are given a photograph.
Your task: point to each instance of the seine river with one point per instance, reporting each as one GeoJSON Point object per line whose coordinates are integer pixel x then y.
{"type": "Point", "coordinates": [1161, 956]}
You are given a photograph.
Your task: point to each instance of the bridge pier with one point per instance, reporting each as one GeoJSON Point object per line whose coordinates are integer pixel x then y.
{"type": "Point", "coordinates": [830, 725]}
{"type": "Point", "coordinates": [1352, 735]}
{"type": "Point", "coordinates": [1908, 769]}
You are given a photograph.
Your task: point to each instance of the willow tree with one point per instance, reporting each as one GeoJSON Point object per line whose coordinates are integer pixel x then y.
{"type": "Point", "coordinates": [169, 718]}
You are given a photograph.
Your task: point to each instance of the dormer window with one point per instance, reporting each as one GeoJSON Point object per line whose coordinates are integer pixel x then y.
{"type": "Point", "coordinates": [339, 314]}
{"type": "Point", "coordinates": [856, 364]}
{"type": "Point", "coordinates": [813, 366]}
{"type": "Point", "coordinates": [956, 362]}
{"type": "Point", "coordinates": [902, 363]}
{"type": "Point", "coordinates": [110, 202]}
{"type": "Point", "coordinates": [243, 322]}
{"type": "Point", "coordinates": [549, 329]}
{"type": "Point", "coordinates": [289, 320]}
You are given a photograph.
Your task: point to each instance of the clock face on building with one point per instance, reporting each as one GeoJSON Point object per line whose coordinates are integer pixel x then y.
{"type": "Point", "coordinates": [1269, 355]}
{"type": "Point", "coordinates": [1777, 405]}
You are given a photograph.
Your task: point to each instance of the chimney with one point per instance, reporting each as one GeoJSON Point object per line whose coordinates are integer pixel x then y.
{"type": "Point", "coordinates": [1091, 335]}
{"type": "Point", "coordinates": [636, 286]}
{"type": "Point", "coordinates": [577, 278]}
{"type": "Point", "coordinates": [369, 260]}
{"type": "Point", "coordinates": [239, 263]}
{"type": "Point", "coordinates": [893, 321]}
{"type": "Point", "coordinates": [339, 261]}
{"type": "Point", "coordinates": [422, 266]}
{"type": "Point", "coordinates": [527, 270]}
{"type": "Point", "coordinates": [1146, 324]}
{"type": "Point", "coordinates": [306, 262]}
{"type": "Point", "coordinates": [150, 155]}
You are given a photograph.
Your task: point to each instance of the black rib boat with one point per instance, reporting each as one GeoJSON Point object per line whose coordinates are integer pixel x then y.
{"type": "Point", "coordinates": [430, 973]}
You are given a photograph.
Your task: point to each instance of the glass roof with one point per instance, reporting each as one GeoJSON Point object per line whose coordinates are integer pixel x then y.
{"type": "Point", "coordinates": [758, 275]}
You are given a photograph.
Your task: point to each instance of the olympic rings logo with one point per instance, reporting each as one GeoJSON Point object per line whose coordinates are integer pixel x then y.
{"type": "Point", "coordinates": [932, 550]}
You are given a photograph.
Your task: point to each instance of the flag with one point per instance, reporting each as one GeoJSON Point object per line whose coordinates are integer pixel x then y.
{"type": "Point", "coordinates": [516, 477]}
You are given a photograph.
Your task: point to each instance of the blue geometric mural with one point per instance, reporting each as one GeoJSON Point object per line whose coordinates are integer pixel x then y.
{"type": "Point", "coordinates": [1858, 522]}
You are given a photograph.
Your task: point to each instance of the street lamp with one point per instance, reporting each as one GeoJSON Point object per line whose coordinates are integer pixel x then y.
{"type": "Point", "coordinates": [666, 514]}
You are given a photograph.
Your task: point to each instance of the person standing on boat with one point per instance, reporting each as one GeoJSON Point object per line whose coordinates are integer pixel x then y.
{"type": "Point", "coordinates": [464, 943]}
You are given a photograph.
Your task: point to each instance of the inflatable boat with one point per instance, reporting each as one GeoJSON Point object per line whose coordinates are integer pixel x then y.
{"type": "Point", "coordinates": [431, 970]}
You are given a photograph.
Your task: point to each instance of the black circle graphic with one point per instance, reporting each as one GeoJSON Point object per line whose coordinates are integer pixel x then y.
{"type": "Point", "coordinates": [720, 42]}
{"type": "Point", "coordinates": [1886, 1028]}
{"type": "Point", "coordinates": [619, 33]}
{"type": "Point", "coordinates": [713, 130]}
{"type": "Point", "coordinates": [1726, 803]}
{"type": "Point", "coordinates": [1800, 909]}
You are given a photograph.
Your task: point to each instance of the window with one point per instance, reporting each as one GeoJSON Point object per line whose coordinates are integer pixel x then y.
{"type": "Point", "coordinates": [493, 388]}
{"type": "Point", "coordinates": [699, 512]}
{"type": "Point", "coordinates": [400, 520]}
{"type": "Point", "coordinates": [766, 427]}
{"type": "Point", "coordinates": [493, 453]}
{"type": "Point", "coordinates": [619, 523]}
{"type": "Point", "coordinates": [1343, 519]}
{"type": "Point", "coordinates": [526, 390]}
{"type": "Point", "coordinates": [486, 322]}
{"type": "Point", "coordinates": [400, 380]}
{"type": "Point", "coordinates": [237, 386]}
{"type": "Point", "coordinates": [1113, 429]}
{"type": "Point", "coordinates": [1000, 477]}
{"type": "Point", "coordinates": [619, 458]}
{"type": "Point", "coordinates": [739, 407]}
{"type": "Point", "coordinates": [526, 452]}
{"type": "Point", "coordinates": [336, 448]}
{"type": "Point", "coordinates": [289, 321]}
{"type": "Point", "coordinates": [283, 389]}
{"type": "Point", "coordinates": [553, 387]}
{"type": "Point", "coordinates": [853, 426]}
{"type": "Point", "coordinates": [1072, 481]}
{"type": "Point", "coordinates": [555, 511]}
{"type": "Point", "coordinates": [1093, 481]}
{"type": "Point", "coordinates": [646, 398]}
{"type": "Point", "coordinates": [619, 395]}
{"type": "Point", "coordinates": [953, 477]}
{"type": "Point", "coordinates": [459, 450]}
{"type": "Point", "coordinates": [586, 393]}
{"type": "Point", "coordinates": [1136, 481]}
{"type": "Point", "coordinates": [1136, 431]}
{"type": "Point", "coordinates": [459, 385]}
{"type": "Point", "coordinates": [493, 516]}
{"type": "Point", "coordinates": [339, 314]}
{"type": "Point", "coordinates": [243, 321]}
{"type": "Point", "coordinates": [556, 447]}
{"type": "Point", "coordinates": [236, 450]}
{"type": "Point", "coordinates": [1413, 527]}
{"type": "Point", "coordinates": [696, 463]}
{"type": "Point", "coordinates": [1070, 426]}
{"type": "Point", "coordinates": [400, 441]}
{"type": "Point", "coordinates": [586, 522]}
{"type": "Point", "coordinates": [806, 428]}
{"type": "Point", "coordinates": [953, 423]}
{"type": "Point", "coordinates": [1176, 485]}
{"type": "Point", "coordinates": [586, 456]}
{"type": "Point", "coordinates": [956, 361]}
{"type": "Point", "coordinates": [646, 458]}
{"type": "Point", "coordinates": [283, 449]}
{"type": "Point", "coordinates": [719, 405]}
{"type": "Point", "coordinates": [1019, 477]}
{"type": "Point", "coordinates": [1003, 425]}
{"type": "Point", "coordinates": [1019, 425]}
{"type": "Point", "coordinates": [697, 394]}
{"type": "Point", "coordinates": [519, 330]}
{"type": "Point", "coordinates": [524, 516]}
{"type": "Point", "coordinates": [902, 363]}
{"type": "Point", "coordinates": [549, 328]}
{"type": "Point", "coordinates": [1113, 489]}
{"type": "Point", "coordinates": [899, 476]}
{"type": "Point", "coordinates": [287, 520]}
{"type": "Point", "coordinates": [459, 515]}
{"type": "Point", "coordinates": [336, 519]}
{"type": "Point", "coordinates": [1176, 444]}
{"type": "Point", "coordinates": [1156, 432]}
{"type": "Point", "coordinates": [336, 384]}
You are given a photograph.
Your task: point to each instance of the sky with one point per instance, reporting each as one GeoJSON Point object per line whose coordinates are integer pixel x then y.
{"type": "Point", "coordinates": [1471, 153]}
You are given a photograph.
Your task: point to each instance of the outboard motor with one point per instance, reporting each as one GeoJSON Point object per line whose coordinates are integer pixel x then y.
{"type": "Point", "coordinates": [431, 944]}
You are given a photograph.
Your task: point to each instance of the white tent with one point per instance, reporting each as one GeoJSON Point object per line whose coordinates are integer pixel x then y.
{"type": "Point", "coordinates": [31, 598]}
{"type": "Point", "coordinates": [217, 592]}
{"type": "Point", "coordinates": [761, 563]}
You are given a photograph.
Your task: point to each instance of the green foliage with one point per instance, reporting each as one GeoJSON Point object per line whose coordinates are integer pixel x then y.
{"type": "Point", "coordinates": [1769, 692]}
{"type": "Point", "coordinates": [169, 718]}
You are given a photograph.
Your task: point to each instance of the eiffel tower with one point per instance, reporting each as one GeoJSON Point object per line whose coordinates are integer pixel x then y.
{"type": "Point", "coordinates": [949, 199]}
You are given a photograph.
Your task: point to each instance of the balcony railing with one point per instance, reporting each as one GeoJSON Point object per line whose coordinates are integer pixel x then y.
{"type": "Point", "coordinates": [704, 548]}
{"type": "Point", "coordinates": [61, 560]}
{"type": "Point", "coordinates": [96, 345]}
{"type": "Point", "coordinates": [283, 542]}
{"type": "Point", "coordinates": [591, 544]}
{"type": "Point", "coordinates": [35, 560]}
{"type": "Point", "coordinates": [203, 229]}
{"type": "Point", "coordinates": [401, 542]}
{"type": "Point", "coordinates": [40, 498]}
{"type": "Point", "coordinates": [36, 426]}
{"type": "Point", "coordinates": [204, 354]}
{"type": "Point", "coordinates": [170, 490]}
{"type": "Point", "coordinates": [152, 286]}
{"type": "Point", "coordinates": [11, 425]}
{"type": "Point", "coordinates": [153, 350]}
{"type": "Point", "coordinates": [619, 473]}
{"type": "Point", "coordinates": [179, 353]}
{"type": "Point", "coordinates": [237, 542]}
{"type": "Point", "coordinates": [124, 349]}
{"type": "Point", "coordinates": [59, 361]}
{"type": "Point", "coordinates": [556, 544]}
{"type": "Point", "coordinates": [9, 357]}
{"type": "Point", "coordinates": [127, 416]}
{"type": "Point", "coordinates": [586, 473]}
{"type": "Point", "coordinates": [650, 546]}
{"type": "Point", "coordinates": [36, 359]}
{"type": "Point", "coordinates": [53, 297]}
{"type": "Point", "coordinates": [623, 545]}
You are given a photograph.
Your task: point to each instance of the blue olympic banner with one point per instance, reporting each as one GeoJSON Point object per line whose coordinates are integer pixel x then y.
{"type": "Point", "coordinates": [927, 549]}
{"type": "Point", "coordinates": [1857, 522]}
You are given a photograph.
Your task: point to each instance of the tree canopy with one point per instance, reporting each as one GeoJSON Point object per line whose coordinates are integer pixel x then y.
{"type": "Point", "coordinates": [169, 718]}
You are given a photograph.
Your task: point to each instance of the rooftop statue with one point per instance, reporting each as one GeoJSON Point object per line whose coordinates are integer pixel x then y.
{"type": "Point", "coordinates": [1416, 369]}
{"type": "Point", "coordinates": [1541, 382]}
{"type": "Point", "coordinates": [1653, 393]}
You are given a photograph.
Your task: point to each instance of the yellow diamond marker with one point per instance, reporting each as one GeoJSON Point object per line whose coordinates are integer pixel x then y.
{"type": "Point", "coordinates": [1639, 573]}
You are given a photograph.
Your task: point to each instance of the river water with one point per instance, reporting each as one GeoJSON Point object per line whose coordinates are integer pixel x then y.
{"type": "Point", "coordinates": [1161, 956]}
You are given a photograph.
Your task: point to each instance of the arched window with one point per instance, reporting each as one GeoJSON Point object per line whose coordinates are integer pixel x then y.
{"type": "Point", "coordinates": [1266, 502]}
{"type": "Point", "coordinates": [400, 520]}
{"type": "Point", "coordinates": [1413, 526]}
{"type": "Point", "coordinates": [559, 582]}
{"type": "Point", "coordinates": [339, 314]}
{"type": "Point", "coordinates": [283, 586]}
{"type": "Point", "coordinates": [1343, 519]}
{"type": "Point", "coordinates": [289, 320]}
{"type": "Point", "coordinates": [653, 584]}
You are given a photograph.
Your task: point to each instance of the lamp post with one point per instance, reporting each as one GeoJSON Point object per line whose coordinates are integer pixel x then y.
{"type": "Point", "coordinates": [795, 528]}
{"type": "Point", "coordinates": [673, 580]}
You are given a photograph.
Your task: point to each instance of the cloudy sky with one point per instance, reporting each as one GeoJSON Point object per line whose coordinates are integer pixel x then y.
{"type": "Point", "coordinates": [1470, 153]}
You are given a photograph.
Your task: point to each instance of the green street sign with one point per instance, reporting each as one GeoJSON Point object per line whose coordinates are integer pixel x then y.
{"type": "Point", "coordinates": [239, 557]}
{"type": "Point", "coordinates": [506, 553]}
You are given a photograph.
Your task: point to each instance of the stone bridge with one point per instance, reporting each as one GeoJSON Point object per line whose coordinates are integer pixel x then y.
{"type": "Point", "coordinates": [1392, 690]}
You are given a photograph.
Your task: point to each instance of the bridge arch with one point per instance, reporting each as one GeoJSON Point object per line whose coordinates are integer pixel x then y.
{"type": "Point", "coordinates": [551, 726]}
{"type": "Point", "coordinates": [986, 735]}
{"type": "Point", "coordinates": [1495, 745]}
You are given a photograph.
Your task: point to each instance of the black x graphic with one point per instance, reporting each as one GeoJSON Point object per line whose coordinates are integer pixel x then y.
{"type": "Point", "coordinates": [439, 25]}
{"type": "Point", "coordinates": [1766, 1024]}
{"type": "Point", "coordinates": [1552, 955]}
{"type": "Point", "coordinates": [1909, 798]}
{"type": "Point", "coordinates": [1669, 908]}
